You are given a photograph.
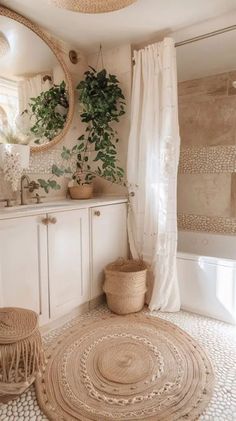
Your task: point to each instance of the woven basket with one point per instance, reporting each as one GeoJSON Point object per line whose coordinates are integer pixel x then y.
{"type": "Point", "coordinates": [81, 192]}
{"type": "Point", "coordinates": [125, 286]}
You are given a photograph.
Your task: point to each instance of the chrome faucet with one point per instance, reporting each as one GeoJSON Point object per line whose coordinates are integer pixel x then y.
{"type": "Point", "coordinates": [31, 187]}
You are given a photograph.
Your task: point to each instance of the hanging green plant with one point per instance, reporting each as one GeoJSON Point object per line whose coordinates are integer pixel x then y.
{"type": "Point", "coordinates": [49, 110]}
{"type": "Point", "coordinates": [102, 104]}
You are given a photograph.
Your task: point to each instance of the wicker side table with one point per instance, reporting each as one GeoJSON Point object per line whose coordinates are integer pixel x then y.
{"type": "Point", "coordinates": [21, 351]}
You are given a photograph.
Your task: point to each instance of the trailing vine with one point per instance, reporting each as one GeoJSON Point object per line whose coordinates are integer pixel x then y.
{"type": "Point", "coordinates": [49, 110]}
{"type": "Point", "coordinates": [102, 104]}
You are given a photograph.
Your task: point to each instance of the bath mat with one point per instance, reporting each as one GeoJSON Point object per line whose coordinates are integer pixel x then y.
{"type": "Point", "coordinates": [134, 367]}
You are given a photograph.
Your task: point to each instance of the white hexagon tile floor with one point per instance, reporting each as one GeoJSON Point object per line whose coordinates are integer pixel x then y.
{"type": "Point", "coordinates": [218, 338]}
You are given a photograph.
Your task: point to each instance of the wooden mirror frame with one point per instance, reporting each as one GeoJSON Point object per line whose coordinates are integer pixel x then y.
{"type": "Point", "coordinates": [4, 11]}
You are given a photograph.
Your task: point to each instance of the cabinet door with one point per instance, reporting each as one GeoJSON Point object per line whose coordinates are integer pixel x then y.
{"type": "Point", "coordinates": [109, 240]}
{"type": "Point", "coordinates": [68, 256]}
{"type": "Point", "coordinates": [23, 264]}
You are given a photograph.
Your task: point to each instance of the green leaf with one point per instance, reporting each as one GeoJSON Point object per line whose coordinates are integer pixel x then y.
{"type": "Point", "coordinates": [54, 185]}
{"type": "Point", "coordinates": [66, 153]}
{"type": "Point", "coordinates": [43, 184]}
{"type": "Point", "coordinates": [57, 171]}
{"type": "Point", "coordinates": [68, 170]}
{"type": "Point", "coordinates": [80, 147]}
{"type": "Point", "coordinates": [99, 156]}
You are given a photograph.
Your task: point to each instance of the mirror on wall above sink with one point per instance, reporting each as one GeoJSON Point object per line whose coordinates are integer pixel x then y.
{"type": "Point", "coordinates": [36, 95]}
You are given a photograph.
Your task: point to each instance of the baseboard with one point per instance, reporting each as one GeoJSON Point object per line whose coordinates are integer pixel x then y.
{"type": "Point", "coordinates": [78, 311]}
{"type": "Point", "coordinates": [96, 302]}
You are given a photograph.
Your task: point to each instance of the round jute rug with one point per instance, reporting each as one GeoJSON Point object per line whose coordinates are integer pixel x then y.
{"type": "Point", "coordinates": [134, 367]}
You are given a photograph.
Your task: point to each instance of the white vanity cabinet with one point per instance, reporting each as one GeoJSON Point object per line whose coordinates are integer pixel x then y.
{"type": "Point", "coordinates": [52, 261]}
{"type": "Point", "coordinates": [68, 260]}
{"type": "Point", "coordinates": [108, 240]}
{"type": "Point", "coordinates": [23, 264]}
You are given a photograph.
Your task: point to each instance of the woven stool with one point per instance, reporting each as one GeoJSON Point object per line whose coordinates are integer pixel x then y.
{"type": "Point", "coordinates": [21, 352]}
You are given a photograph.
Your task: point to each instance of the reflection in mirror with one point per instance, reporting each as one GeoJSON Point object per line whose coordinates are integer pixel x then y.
{"type": "Point", "coordinates": [33, 91]}
{"type": "Point", "coordinates": [207, 119]}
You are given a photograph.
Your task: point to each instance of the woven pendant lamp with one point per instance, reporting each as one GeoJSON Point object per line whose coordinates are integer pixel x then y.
{"type": "Point", "coordinates": [93, 6]}
{"type": "Point", "coordinates": [4, 45]}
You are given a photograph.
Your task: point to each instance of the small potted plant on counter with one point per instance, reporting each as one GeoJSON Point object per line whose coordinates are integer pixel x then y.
{"type": "Point", "coordinates": [95, 153]}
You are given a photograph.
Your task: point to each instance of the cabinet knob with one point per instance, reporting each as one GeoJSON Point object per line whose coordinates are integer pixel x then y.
{"type": "Point", "coordinates": [45, 221]}
{"type": "Point", "coordinates": [97, 213]}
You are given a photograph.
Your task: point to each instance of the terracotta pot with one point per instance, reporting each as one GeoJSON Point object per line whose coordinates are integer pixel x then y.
{"type": "Point", "coordinates": [81, 192]}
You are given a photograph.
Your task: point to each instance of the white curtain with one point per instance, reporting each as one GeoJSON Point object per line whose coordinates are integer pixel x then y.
{"type": "Point", "coordinates": [153, 156]}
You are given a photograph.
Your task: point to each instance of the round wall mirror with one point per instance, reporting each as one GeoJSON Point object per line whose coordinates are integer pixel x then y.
{"type": "Point", "coordinates": [36, 93]}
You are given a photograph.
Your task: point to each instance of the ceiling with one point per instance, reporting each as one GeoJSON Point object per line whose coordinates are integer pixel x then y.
{"type": "Point", "coordinates": [141, 21]}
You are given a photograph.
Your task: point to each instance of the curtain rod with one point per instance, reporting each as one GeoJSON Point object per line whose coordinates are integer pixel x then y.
{"type": "Point", "coordinates": [207, 35]}
{"type": "Point", "coordinates": [201, 37]}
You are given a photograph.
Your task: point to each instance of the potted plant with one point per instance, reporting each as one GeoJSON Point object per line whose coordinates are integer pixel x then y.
{"type": "Point", "coordinates": [95, 153]}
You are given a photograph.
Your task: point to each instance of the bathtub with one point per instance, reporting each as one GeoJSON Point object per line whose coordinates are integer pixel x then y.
{"type": "Point", "coordinates": [206, 265]}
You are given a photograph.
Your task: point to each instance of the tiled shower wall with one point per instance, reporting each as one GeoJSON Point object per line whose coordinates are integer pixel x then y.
{"type": "Point", "coordinates": [207, 170]}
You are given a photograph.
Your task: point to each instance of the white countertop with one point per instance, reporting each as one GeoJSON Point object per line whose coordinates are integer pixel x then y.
{"type": "Point", "coordinates": [57, 206]}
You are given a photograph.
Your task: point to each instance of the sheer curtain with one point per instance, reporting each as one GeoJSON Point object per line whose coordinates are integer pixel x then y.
{"type": "Point", "coordinates": [153, 156]}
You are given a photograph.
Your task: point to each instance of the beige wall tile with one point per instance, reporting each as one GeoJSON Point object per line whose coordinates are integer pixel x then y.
{"type": "Point", "coordinates": [207, 121]}
{"type": "Point", "coordinates": [232, 78]}
{"type": "Point", "coordinates": [212, 85]}
{"type": "Point", "coordinates": [204, 194]}
{"type": "Point", "coordinates": [233, 195]}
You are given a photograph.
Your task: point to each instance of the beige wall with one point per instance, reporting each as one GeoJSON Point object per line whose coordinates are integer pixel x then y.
{"type": "Point", "coordinates": [207, 117]}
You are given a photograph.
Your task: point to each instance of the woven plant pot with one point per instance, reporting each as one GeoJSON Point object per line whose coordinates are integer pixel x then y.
{"type": "Point", "coordinates": [81, 192]}
{"type": "Point", "coordinates": [125, 286]}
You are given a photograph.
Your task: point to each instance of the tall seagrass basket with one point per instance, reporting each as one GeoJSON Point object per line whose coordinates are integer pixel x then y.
{"type": "Point", "coordinates": [125, 286]}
